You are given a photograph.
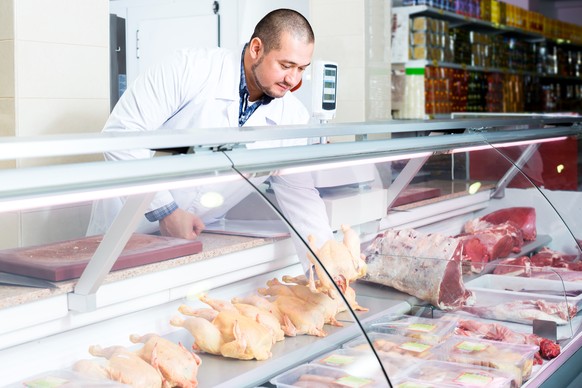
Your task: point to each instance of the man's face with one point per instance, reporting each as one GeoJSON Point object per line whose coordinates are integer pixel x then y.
{"type": "Point", "coordinates": [278, 71]}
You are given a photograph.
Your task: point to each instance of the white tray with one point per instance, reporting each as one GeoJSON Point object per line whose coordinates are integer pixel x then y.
{"type": "Point", "coordinates": [512, 286]}
{"type": "Point", "coordinates": [493, 289]}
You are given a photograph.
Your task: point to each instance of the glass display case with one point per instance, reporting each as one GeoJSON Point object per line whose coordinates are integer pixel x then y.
{"type": "Point", "coordinates": [450, 244]}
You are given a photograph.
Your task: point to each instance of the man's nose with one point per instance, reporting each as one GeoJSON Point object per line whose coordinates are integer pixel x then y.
{"type": "Point", "coordinates": [293, 77]}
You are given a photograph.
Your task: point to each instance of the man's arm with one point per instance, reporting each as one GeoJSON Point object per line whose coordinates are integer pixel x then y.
{"type": "Point", "coordinates": [154, 97]}
{"type": "Point", "coordinates": [302, 205]}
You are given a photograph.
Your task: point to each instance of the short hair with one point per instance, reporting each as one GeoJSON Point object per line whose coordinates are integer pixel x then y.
{"type": "Point", "coordinates": [270, 28]}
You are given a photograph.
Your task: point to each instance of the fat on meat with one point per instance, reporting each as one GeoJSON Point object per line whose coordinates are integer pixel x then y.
{"type": "Point", "coordinates": [427, 266]}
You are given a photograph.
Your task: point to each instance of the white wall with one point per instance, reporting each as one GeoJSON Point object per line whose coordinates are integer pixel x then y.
{"type": "Point", "coordinates": [54, 79]}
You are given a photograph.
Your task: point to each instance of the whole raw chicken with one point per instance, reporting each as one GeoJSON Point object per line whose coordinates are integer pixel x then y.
{"type": "Point", "coordinates": [178, 365]}
{"type": "Point", "coordinates": [329, 307]}
{"type": "Point", "coordinates": [122, 365]}
{"type": "Point", "coordinates": [293, 314]}
{"type": "Point", "coordinates": [342, 260]}
{"type": "Point", "coordinates": [228, 332]}
{"type": "Point", "coordinates": [261, 316]}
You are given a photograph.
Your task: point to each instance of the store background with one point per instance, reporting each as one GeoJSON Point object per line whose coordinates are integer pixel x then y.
{"type": "Point", "coordinates": [55, 71]}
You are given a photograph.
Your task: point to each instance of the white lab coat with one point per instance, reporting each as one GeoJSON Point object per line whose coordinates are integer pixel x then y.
{"type": "Point", "coordinates": [199, 88]}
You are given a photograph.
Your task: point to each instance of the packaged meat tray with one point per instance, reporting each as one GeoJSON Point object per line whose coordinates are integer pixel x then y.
{"type": "Point", "coordinates": [393, 345]}
{"type": "Point", "coordinates": [522, 287]}
{"type": "Point", "coordinates": [66, 378]}
{"type": "Point", "coordinates": [447, 374]}
{"type": "Point", "coordinates": [310, 375]}
{"type": "Point", "coordinates": [355, 361]}
{"type": "Point", "coordinates": [428, 330]}
{"type": "Point", "coordinates": [514, 359]}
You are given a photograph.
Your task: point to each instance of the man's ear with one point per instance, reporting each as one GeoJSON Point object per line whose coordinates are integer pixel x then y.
{"type": "Point", "coordinates": [255, 47]}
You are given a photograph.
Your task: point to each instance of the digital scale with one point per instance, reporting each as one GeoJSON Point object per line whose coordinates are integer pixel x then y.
{"type": "Point", "coordinates": [324, 85]}
{"type": "Point", "coordinates": [344, 191]}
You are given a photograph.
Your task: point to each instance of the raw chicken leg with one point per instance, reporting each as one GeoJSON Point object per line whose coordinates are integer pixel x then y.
{"type": "Point", "coordinates": [178, 365]}
{"type": "Point", "coordinates": [207, 337]}
{"type": "Point", "coordinates": [343, 262]}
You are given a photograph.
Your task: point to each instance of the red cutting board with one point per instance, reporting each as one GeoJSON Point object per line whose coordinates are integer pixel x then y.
{"type": "Point", "coordinates": [415, 194]}
{"type": "Point", "coordinates": [67, 260]}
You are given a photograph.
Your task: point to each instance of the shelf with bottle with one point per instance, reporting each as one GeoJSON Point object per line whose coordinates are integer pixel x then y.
{"type": "Point", "coordinates": [457, 20]}
{"type": "Point", "coordinates": [432, 91]}
{"type": "Point", "coordinates": [418, 38]}
{"type": "Point", "coordinates": [496, 17]}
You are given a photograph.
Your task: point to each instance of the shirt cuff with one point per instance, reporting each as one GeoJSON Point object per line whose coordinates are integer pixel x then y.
{"type": "Point", "coordinates": [161, 212]}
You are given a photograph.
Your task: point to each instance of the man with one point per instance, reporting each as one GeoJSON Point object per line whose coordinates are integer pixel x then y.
{"type": "Point", "coordinates": [205, 88]}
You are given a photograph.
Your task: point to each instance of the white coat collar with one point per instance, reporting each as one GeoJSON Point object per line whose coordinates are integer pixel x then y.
{"type": "Point", "coordinates": [228, 89]}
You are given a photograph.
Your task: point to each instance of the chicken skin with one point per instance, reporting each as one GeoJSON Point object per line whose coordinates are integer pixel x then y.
{"type": "Point", "coordinates": [178, 365]}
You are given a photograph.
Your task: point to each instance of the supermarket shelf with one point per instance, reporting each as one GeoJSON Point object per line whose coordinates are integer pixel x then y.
{"type": "Point", "coordinates": [457, 20]}
{"type": "Point", "coordinates": [420, 63]}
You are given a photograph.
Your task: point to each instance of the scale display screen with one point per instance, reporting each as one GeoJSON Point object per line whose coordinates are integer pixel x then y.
{"type": "Point", "coordinates": [329, 86]}
{"type": "Point", "coordinates": [324, 89]}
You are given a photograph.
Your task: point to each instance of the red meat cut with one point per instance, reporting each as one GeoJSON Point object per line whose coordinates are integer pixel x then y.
{"type": "Point", "coordinates": [523, 217]}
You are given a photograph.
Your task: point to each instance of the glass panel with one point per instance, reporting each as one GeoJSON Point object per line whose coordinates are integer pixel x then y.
{"type": "Point", "coordinates": [389, 262]}
{"type": "Point", "coordinates": [436, 231]}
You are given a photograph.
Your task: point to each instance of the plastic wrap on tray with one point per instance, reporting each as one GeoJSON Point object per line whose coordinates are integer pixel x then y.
{"type": "Point", "coordinates": [308, 375]}
{"type": "Point", "coordinates": [66, 378]}
{"type": "Point", "coordinates": [427, 330]}
{"type": "Point", "coordinates": [445, 374]}
{"type": "Point", "coordinates": [393, 345]}
{"type": "Point", "coordinates": [515, 359]}
{"type": "Point", "coordinates": [355, 361]}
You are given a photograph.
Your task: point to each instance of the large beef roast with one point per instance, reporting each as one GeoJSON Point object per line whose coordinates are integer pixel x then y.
{"type": "Point", "coordinates": [427, 266]}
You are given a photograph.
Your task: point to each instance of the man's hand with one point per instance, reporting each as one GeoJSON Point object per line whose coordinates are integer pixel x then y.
{"type": "Point", "coordinates": [181, 224]}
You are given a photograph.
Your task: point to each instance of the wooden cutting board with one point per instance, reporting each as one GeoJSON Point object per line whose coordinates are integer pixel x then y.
{"type": "Point", "coordinates": [67, 260]}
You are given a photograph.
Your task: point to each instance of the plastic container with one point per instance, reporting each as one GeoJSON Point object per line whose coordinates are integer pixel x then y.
{"type": "Point", "coordinates": [428, 330]}
{"type": "Point", "coordinates": [445, 374]}
{"type": "Point", "coordinates": [308, 374]}
{"type": "Point", "coordinates": [515, 359]}
{"type": "Point", "coordinates": [66, 378]}
{"type": "Point", "coordinates": [357, 361]}
{"type": "Point", "coordinates": [393, 345]}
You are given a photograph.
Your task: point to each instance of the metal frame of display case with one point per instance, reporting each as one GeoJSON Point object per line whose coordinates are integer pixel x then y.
{"type": "Point", "coordinates": [24, 183]}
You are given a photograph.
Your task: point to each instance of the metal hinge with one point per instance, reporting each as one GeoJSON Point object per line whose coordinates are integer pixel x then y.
{"type": "Point", "coordinates": [137, 44]}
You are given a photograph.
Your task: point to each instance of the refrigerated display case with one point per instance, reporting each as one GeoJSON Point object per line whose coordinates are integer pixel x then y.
{"type": "Point", "coordinates": [417, 238]}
